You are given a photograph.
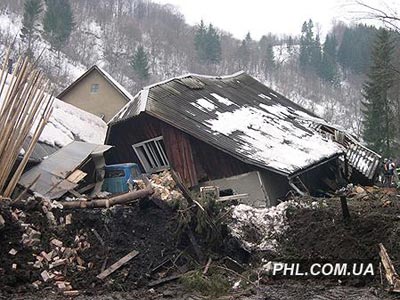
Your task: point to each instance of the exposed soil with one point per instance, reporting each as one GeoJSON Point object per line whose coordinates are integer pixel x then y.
{"type": "Point", "coordinates": [323, 234]}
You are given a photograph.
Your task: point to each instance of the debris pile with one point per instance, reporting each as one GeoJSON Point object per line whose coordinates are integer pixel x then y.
{"type": "Point", "coordinates": [69, 249]}
{"type": "Point", "coordinates": [385, 195]}
{"type": "Point", "coordinates": [50, 257]}
{"type": "Point", "coordinates": [164, 186]}
{"type": "Point", "coordinates": [133, 246]}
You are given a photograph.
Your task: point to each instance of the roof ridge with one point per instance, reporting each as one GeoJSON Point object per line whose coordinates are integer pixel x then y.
{"type": "Point", "coordinates": [194, 75]}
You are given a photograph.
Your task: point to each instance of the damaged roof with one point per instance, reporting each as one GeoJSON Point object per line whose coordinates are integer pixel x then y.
{"type": "Point", "coordinates": [238, 115]}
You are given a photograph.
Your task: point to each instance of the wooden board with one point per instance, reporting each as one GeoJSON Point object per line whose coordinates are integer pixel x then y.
{"type": "Point", "coordinates": [118, 264]}
{"type": "Point", "coordinates": [76, 176]}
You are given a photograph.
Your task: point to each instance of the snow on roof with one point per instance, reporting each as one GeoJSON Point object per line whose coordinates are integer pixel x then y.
{"type": "Point", "coordinates": [238, 115]}
{"type": "Point", "coordinates": [272, 138]}
{"type": "Point", "coordinates": [68, 123]}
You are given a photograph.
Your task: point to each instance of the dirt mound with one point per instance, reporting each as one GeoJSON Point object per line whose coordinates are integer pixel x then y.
{"type": "Point", "coordinates": [322, 233]}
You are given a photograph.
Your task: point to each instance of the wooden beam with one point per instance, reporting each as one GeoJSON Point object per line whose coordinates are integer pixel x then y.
{"type": "Point", "coordinates": [118, 264]}
{"type": "Point", "coordinates": [120, 199]}
{"type": "Point", "coordinates": [181, 186]}
{"type": "Point", "coordinates": [390, 273]}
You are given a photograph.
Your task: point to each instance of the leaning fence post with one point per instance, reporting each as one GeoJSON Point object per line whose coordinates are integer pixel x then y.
{"type": "Point", "coordinates": [345, 208]}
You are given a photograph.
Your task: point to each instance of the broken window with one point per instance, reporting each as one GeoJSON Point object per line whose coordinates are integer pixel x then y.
{"type": "Point", "coordinates": [151, 154]}
{"type": "Point", "coordinates": [94, 89]}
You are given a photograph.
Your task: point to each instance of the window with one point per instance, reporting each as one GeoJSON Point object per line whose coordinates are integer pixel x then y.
{"type": "Point", "coordinates": [152, 155]}
{"type": "Point", "coordinates": [94, 89]}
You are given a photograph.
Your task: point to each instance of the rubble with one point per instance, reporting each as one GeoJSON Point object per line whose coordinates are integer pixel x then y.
{"type": "Point", "coordinates": [164, 186]}
{"type": "Point", "coordinates": [67, 257]}
{"type": "Point", "coordinates": [390, 273]}
{"type": "Point", "coordinates": [118, 264]}
{"type": "Point", "coordinates": [13, 251]}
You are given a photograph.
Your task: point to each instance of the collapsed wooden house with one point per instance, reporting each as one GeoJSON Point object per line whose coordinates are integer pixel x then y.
{"type": "Point", "coordinates": [232, 131]}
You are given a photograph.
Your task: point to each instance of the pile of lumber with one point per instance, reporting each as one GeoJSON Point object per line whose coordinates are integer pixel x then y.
{"type": "Point", "coordinates": [25, 109]}
{"type": "Point", "coordinates": [164, 186]}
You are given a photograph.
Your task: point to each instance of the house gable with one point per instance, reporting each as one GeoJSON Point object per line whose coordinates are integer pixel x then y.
{"type": "Point", "coordinates": [94, 92]}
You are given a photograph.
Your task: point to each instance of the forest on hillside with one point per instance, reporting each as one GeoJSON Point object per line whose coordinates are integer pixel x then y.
{"type": "Point", "coordinates": [140, 42]}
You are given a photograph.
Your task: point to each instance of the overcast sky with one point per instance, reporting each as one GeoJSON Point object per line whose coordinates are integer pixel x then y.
{"type": "Point", "coordinates": [276, 16]}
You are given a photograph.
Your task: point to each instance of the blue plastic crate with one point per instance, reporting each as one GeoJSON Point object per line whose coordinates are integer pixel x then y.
{"type": "Point", "coordinates": [117, 177]}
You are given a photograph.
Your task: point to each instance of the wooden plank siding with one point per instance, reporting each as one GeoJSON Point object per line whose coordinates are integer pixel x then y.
{"type": "Point", "coordinates": [194, 160]}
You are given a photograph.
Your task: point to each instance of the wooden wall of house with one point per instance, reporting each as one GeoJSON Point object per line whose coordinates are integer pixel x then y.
{"type": "Point", "coordinates": [193, 159]}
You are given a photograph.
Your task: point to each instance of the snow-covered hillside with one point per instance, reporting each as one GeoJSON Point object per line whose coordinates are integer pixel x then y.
{"type": "Point", "coordinates": [108, 36]}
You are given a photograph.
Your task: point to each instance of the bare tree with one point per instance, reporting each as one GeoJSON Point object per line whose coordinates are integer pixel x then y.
{"type": "Point", "coordinates": [387, 15]}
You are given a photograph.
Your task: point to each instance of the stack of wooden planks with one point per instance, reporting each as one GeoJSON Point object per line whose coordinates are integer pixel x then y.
{"type": "Point", "coordinates": [25, 109]}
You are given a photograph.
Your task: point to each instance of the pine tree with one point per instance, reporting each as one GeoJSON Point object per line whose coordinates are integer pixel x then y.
{"type": "Point", "coordinates": [57, 22]}
{"type": "Point", "coordinates": [200, 42]}
{"type": "Point", "coordinates": [354, 52]}
{"type": "Point", "coordinates": [140, 63]}
{"type": "Point", "coordinates": [307, 44]}
{"type": "Point", "coordinates": [316, 55]}
{"type": "Point", "coordinates": [213, 45]}
{"type": "Point", "coordinates": [269, 60]}
{"type": "Point", "coordinates": [207, 44]}
{"type": "Point", "coordinates": [328, 69]}
{"type": "Point", "coordinates": [377, 109]}
{"type": "Point", "coordinates": [30, 23]}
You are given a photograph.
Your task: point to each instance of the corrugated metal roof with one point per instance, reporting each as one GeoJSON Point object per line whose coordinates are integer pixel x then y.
{"type": "Point", "coordinates": [239, 115]}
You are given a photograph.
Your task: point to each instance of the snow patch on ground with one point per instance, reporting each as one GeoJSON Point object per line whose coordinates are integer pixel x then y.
{"type": "Point", "coordinates": [259, 228]}
{"type": "Point", "coordinates": [10, 24]}
{"type": "Point", "coordinates": [282, 53]}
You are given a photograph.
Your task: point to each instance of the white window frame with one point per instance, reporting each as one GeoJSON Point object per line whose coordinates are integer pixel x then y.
{"type": "Point", "coordinates": [151, 161]}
